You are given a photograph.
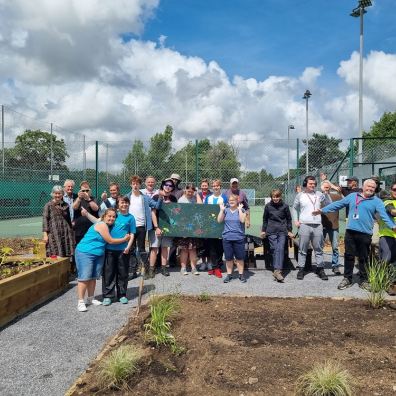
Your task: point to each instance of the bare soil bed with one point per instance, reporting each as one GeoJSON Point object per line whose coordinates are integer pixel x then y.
{"type": "Point", "coordinates": [260, 346]}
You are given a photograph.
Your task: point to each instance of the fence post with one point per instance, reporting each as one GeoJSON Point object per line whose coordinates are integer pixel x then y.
{"type": "Point", "coordinates": [298, 161]}
{"type": "Point", "coordinates": [96, 168]}
{"type": "Point", "coordinates": [196, 162]}
{"type": "Point", "coordinates": [351, 155]}
{"type": "Point", "coordinates": [2, 139]}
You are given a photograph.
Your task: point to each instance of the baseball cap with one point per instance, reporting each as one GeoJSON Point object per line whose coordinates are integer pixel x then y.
{"type": "Point", "coordinates": [234, 180]}
{"type": "Point", "coordinates": [352, 178]}
{"type": "Point", "coordinates": [175, 176]}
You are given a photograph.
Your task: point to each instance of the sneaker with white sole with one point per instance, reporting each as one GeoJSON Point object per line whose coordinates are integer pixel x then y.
{"type": "Point", "coordinates": [81, 306]}
{"type": "Point", "coordinates": [183, 271]}
{"type": "Point", "coordinates": [194, 271]}
{"type": "Point", "coordinates": [93, 301]}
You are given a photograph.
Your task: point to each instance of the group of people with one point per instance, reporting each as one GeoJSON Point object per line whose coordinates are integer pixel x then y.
{"type": "Point", "coordinates": [108, 238]}
{"type": "Point", "coordinates": [100, 237]}
{"type": "Point", "coordinates": [316, 216]}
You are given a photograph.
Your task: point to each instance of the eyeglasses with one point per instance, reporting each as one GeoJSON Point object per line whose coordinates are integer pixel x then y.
{"type": "Point", "coordinates": [85, 190]}
{"type": "Point", "coordinates": [168, 185]}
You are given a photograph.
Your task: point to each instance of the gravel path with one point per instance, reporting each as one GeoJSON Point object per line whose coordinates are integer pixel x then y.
{"type": "Point", "coordinates": [45, 351]}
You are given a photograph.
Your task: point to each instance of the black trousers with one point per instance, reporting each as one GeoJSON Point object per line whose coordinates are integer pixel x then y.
{"type": "Point", "coordinates": [357, 244]}
{"type": "Point", "coordinates": [115, 274]}
{"type": "Point", "coordinates": [215, 252]}
{"type": "Point", "coordinates": [139, 243]}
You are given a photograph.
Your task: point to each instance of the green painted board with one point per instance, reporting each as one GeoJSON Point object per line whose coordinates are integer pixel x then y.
{"type": "Point", "coordinates": [190, 220]}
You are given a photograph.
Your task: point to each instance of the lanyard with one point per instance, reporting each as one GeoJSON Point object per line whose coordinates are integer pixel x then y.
{"type": "Point", "coordinates": [313, 201]}
{"type": "Point", "coordinates": [357, 203]}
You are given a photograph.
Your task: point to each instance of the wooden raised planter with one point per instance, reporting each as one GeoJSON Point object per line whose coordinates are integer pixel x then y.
{"type": "Point", "coordinates": [22, 292]}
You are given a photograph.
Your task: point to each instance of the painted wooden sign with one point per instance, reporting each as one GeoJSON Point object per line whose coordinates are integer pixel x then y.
{"type": "Point", "coordinates": [190, 220]}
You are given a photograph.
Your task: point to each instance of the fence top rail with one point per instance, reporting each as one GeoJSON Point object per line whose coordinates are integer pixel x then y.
{"type": "Point", "coordinates": [375, 138]}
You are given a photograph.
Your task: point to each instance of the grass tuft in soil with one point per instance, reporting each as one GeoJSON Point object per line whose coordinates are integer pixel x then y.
{"type": "Point", "coordinates": [327, 379]}
{"type": "Point", "coordinates": [380, 275]}
{"type": "Point", "coordinates": [119, 366]}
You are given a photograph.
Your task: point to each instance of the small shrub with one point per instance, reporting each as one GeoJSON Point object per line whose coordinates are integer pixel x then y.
{"type": "Point", "coordinates": [380, 276]}
{"type": "Point", "coordinates": [204, 297]}
{"type": "Point", "coordinates": [4, 253]}
{"type": "Point", "coordinates": [119, 366]}
{"type": "Point", "coordinates": [162, 309]}
{"type": "Point", "coordinates": [327, 379]}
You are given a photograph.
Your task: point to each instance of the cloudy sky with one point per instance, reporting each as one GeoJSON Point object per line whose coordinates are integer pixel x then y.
{"type": "Point", "coordinates": [230, 69]}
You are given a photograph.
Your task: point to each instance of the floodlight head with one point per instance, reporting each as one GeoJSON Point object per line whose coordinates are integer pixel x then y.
{"type": "Point", "coordinates": [291, 126]}
{"type": "Point", "coordinates": [307, 94]}
{"type": "Point", "coordinates": [365, 3]}
{"type": "Point", "coordinates": [361, 8]}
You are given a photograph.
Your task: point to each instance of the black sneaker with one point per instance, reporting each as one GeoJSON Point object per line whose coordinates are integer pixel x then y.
{"type": "Point", "coordinates": [322, 274]}
{"type": "Point", "coordinates": [242, 278]}
{"type": "Point", "coordinates": [165, 271]}
{"type": "Point", "coordinates": [300, 274]}
{"type": "Point", "coordinates": [228, 278]}
{"type": "Point", "coordinates": [150, 274]}
{"type": "Point", "coordinates": [345, 283]}
{"type": "Point", "coordinates": [134, 276]}
{"type": "Point", "coordinates": [336, 271]}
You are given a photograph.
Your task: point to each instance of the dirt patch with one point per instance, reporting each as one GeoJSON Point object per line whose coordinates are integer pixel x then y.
{"type": "Point", "coordinates": [259, 346]}
{"type": "Point", "coordinates": [19, 245]}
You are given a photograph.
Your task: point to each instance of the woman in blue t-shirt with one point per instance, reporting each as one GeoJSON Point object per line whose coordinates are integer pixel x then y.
{"type": "Point", "coordinates": [233, 236]}
{"type": "Point", "coordinates": [90, 257]}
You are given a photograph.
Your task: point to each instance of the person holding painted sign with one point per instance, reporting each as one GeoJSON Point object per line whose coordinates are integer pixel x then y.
{"type": "Point", "coordinates": [233, 236]}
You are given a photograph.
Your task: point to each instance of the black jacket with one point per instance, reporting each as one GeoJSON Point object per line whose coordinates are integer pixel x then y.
{"type": "Point", "coordinates": [277, 218]}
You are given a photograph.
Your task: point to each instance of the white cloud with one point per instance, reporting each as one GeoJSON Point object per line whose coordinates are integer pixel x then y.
{"type": "Point", "coordinates": [69, 66]}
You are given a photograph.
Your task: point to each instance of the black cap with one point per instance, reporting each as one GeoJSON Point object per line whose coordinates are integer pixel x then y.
{"type": "Point", "coordinates": [352, 178]}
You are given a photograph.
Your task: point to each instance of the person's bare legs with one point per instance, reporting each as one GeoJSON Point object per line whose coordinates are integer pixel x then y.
{"type": "Point", "coordinates": [230, 266]}
{"type": "Point", "coordinates": [193, 258]}
{"type": "Point", "coordinates": [82, 287]}
{"type": "Point", "coordinates": [183, 258]}
{"type": "Point", "coordinates": [153, 257]}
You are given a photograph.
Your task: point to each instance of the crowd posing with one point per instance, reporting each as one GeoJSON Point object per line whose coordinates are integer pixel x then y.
{"type": "Point", "coordinates": [111, 239]}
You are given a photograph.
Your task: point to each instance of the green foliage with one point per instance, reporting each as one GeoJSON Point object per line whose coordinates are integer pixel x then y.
{"type": "Point", "coordinates": [135, 159]}
{"type": "Point", "coordinates": [380, 275]}
{"type": "Point", "coordinates": [4, 253]}
{"type": "Point", "coordinates": [323, 150]}
{"type": "Point", "coordinates": [118, 367]}
{"type": "Point", "coordinates": [158, 329]}
{"type": "Point", "coordinates": [385, 127]}
{"type": "Point", "coordinates": [327, 379]}
{"type": "Point", "coordinates": [33, 150]}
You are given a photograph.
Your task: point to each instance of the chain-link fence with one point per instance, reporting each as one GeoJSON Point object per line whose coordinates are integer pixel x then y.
{"type": "Point", "coordinates": [41, 155]}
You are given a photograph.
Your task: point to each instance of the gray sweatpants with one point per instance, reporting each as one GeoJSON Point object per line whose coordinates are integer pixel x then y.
{"type": "Point", "coordinates": [310, 233]}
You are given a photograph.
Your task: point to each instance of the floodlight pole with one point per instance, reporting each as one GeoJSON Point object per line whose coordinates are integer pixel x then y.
{"type": "Point", "coordinates": [288, 154]}
{"type": "Point", "coordinates": [359, 12]}
{"type": "Point", "coordinates": [306, 96]}
{"type": "Point", "coordinates": [2, 140]}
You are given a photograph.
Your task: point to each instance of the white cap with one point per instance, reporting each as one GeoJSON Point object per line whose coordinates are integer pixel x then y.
{"type": "Point", "coordinates": [234, 180]}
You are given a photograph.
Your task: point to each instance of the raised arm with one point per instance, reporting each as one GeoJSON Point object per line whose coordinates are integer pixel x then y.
{"type": "Point", "coordinates": [103, 230]}
{"type": "Point", "coordinates": [221, 215]}
{"type": "Point", "coordinates": [242, 214]}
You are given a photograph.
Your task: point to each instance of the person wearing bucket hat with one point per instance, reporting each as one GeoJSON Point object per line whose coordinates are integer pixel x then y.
{"type": "Point", "coordinates": [177, 192]}
{"type": "Point", "coordinates": [156, 239]}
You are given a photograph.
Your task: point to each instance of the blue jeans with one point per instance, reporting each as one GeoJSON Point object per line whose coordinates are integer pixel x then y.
{"type": "Point", "coordinates": [333, 236]}
{"type": "Point", "coordinates": [277, 247]}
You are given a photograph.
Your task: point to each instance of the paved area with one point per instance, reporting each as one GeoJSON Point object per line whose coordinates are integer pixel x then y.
{"type": "Point", "coordinates": [45, 351]}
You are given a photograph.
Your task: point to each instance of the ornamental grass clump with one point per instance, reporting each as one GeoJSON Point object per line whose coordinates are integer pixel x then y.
{"type": "Point", "coordinates": [119, 366]}
{"type": "Point", "coordinates": [158, 329]}
{"type": "Point", "coordinates": [327, 379]}
{"type": "Point", "coordinates": [380, 276]}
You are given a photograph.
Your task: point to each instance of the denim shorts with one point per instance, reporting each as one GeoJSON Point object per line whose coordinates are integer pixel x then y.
{"type": "Point", "coordinates": [234, 249]}
{"type": "Point", "coordinates": [89, 266]}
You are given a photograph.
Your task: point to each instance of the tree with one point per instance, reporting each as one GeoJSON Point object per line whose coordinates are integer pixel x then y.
{"type": "Point", "coordinates": [33, 150]}
{"type": "Point", "coordinates": [323, 151]}
{"type": "Point", "coordinates": [135, 161]}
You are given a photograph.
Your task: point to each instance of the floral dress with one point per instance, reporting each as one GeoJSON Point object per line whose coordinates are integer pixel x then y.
{"type": "Point", "coordinates": [57, 224]}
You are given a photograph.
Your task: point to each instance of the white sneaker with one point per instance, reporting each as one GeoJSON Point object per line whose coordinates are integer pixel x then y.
{"type": "Point", "coordinates": [183, 271]}
{"type": "Point", "coordinates": [81, 306]}
{"type": "Point", "coordinates": [93, 301]}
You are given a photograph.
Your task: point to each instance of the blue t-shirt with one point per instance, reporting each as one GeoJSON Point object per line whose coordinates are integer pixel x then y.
{"type": "Point", "coordinates": [234, 230]}
{"type": "Point", "coordinates": [124, 224]}
{"type": "Point", "coordinates": [213, 200]}
{"type": "Point", "coordinates": [92, 242]}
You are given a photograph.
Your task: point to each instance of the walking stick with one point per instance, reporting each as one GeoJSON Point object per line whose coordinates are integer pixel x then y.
{"type": "Point", "coordinates": [141, 283]}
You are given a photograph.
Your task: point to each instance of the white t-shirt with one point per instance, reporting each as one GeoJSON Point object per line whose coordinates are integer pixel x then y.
{"type": "Point", "coordinates": [136, 208]}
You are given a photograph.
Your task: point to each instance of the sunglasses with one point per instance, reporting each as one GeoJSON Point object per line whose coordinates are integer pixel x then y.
{"type": "Point", "coordinates": [168, 185]}
{"type": "Point", "coordinates": [85, 190]}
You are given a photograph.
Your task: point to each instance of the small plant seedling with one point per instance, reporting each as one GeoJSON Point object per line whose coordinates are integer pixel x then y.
{"type": "Point", "coordinates": [324, 380]}
{"type": "Point", "coordinates": [204, 297]}
{"type": "Point", "coordinates": [118, 367]}
{"type": "Point", "coordinates": [4, 253]}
